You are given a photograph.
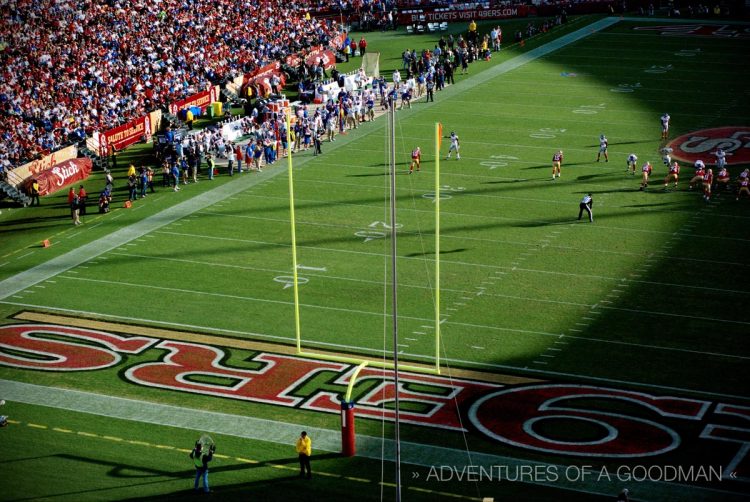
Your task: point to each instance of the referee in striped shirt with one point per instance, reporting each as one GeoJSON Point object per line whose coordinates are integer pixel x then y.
{"type": "Point", "coordinates": [586, 204]}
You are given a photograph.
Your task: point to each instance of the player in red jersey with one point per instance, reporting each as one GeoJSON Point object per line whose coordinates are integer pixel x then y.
{"type": "Point", "coordinates": [674, 174]}
{"type": "Point", "coordinates": [722, 178]}
{"type": "Point", "coordinates": [416, 159]}
{"type": "Point", "coordinates": [708, 179]}
{"type": "Point", "coordinates": [557, 160]}
{"type": "Point", "coordinates": [743, 184]}
{"type": "Point", "coordinates": [700, 171]}
{"type": "Point", "coordinates": [646, 169]}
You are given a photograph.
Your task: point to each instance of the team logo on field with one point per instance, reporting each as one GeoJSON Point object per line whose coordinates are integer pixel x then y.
{"type": "Point", "coordinates": [699, 30]}
{"type": "Point", "coordinates": [560, 419]}
{"type": "Point", "coordinates": [735, 141]}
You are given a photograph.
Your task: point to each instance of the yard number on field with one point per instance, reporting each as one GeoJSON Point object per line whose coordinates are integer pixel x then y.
{"type": "Point", "coordinates": [369, 235]}
{"type": "Point", "coordinates": [546, 133]}
{"type": "Point", "coordinates": [589, 109]}
{"type": "Point", "coordinates": [445, 192]}
{"type": "Point", "coordinates": [626, 87]}
{"type": "Point", "coordinates": [494, 164]}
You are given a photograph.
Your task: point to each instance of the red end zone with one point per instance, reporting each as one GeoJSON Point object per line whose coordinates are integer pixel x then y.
{"type": "Point", "coordinates": [540, 417]}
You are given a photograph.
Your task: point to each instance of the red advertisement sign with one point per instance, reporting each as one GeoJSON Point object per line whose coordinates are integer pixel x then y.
{"type": "Point", "coordinates": [61, 175]}
{"type": "Point", "coordinates": [464, 15]}
{"type": "Point", "coordinates": [325, 55]}
{"type": "Point", "coordinates": [262, 76]}
{"type": "Point", "coordinates": [202, 100]}
{"type": "Point", "coordinates": [124, 135]}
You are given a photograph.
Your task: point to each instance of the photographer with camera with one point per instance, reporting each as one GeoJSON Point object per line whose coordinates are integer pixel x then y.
{"type": "Point", "coordinates": [201, 456]}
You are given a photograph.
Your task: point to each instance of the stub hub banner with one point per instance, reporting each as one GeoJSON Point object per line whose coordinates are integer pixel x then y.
{"type": "Point", "coordinates": [61, 175]}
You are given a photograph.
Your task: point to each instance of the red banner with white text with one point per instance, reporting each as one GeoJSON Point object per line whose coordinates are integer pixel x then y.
{"type": "Point", "coordinates": [451, 16]}
{"type": "Point", "coordinates": [202, 100]}
{"type": "Point", "coordinates": [125, 135]}
{"type": "Point", "coordinates": [61, 175]}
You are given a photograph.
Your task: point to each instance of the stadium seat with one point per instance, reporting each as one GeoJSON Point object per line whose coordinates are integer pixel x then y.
{"type": "Point", "coordinates": [444, 26]}
{"type": "Point", "coordinates": [432, 27]}
{"type": "Point", "coordinates": [409, 29]}
{"type": "Point", "coordinates": [420, 28]}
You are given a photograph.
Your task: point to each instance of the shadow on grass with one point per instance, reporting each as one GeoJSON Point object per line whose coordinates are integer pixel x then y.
{"type": "Point", "coordinates": [428, 253]}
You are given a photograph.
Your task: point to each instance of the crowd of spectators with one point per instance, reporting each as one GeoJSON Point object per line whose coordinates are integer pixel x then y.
{"type": "Point", "coordinates": [70, 67]}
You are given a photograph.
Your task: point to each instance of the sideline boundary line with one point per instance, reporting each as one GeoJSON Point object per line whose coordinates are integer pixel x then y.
{"type": "Point", "coordinates": [371, 447]}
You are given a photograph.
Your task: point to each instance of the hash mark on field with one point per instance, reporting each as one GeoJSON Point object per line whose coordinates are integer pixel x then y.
{"type": "Point", "coordinates": [587, 318]}
{"type": "Point", "coordinates": [547, 355]}
{"type": "Point", "coordinates": [403, 344]}
{"type": "Point", "coordinates": [573, 329]}
{"type": "Point", "coordinates": [112, 438]}
{"type": "Point", "coordinates": [24, 255]}
{"type": "Point", "coordinates": [539, 362]}
{"type": "Point", "coordinates": [75, 234]}
{"type": "Point", "coordinates": [418, 333]}
{"type": "Point", "coordinates": [582, 324]}
{"type": "Point", "coordinates": [428, 326]}
{"type": "Point", "coordinates": [164, 447]}
{"type": "Point", "coordinates": [139, 443]}
{"type": "Point", "coordinates": [58, 429]}
{"type": "Point", "coordinates": [37, 426]}
{"type": "Point", "coordinates": [411, 339]}
{"type": "Point", "coordinates": [604, 301]}
{"type": "Point", "coordinates": [246, 460]}
{"type": "Point", "coordinates": [561, 343]}
{"type": "Point", "coordinates": [459, 303]}
{"type": "Point", "coordinates": [87, 434]}
{"type": "Point", "coordinates": [349, 478]}
{"type": "Point", "coordinates": [553, 348]}
{"type": "Point", "coordinates": [477, 347]}
{"type": "Point", "coordinates": [17, 296]}
{"type": "Point", "coordinates": [466, 298]}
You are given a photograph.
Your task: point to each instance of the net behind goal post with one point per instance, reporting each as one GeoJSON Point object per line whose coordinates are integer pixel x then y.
{"type": "Point", "coordinates": [371, 64]}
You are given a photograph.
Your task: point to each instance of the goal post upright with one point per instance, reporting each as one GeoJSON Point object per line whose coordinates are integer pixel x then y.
{"type": "Point", "coordinates": [297, 331]}
{"type": "Point", "coordinates": [438, 135]}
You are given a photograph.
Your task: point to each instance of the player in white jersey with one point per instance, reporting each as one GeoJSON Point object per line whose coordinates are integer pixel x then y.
{"type": "Point", "coordinates": [665, 126]}
{"type": "Point", "coordinates": [721, 158]}
{"type": "Point", "coordinates": [632, 159]}
{"type": "Point", "coordinates": [666, 155]}
{"type": "Point", "coordinates": [603, 143]}
{"type": "Point", "coordinates": [454, 146]}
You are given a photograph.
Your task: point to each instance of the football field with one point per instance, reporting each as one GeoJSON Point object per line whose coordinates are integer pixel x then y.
{"type": "Point", "coordinates": [568, 348]}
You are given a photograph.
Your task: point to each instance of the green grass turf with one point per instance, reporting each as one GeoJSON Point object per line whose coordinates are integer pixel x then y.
{"type": "Point", "coordinates": [647, 295]}
{"type": "Point", "coordinates": [89, 458]}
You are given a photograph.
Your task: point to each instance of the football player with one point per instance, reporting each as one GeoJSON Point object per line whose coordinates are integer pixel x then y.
{"type": "Point", "coordinates": [700, 171]}
{"type": "Point", "coordinates": [646, 170]}
{"type": "Point", "coordinates": [632, 159]}
{"type": "Point", "coordinates": [674, 174]}
{"type": "Point", "coordinates": [455, 145]}
{"type": "Point", "coordinates": [664, 126]}
{"type": "Point", "coordinates": [416, 158]}
{"type": "Point", "coordinates": [557, 159]}
{"type": "Point", "coordinates": [602, 148]}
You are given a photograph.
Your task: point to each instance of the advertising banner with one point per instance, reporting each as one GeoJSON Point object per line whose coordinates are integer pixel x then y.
{"type": "Point", "coordinates": [325, 55]}
{"type": "Point", "coordinates": [32, 168]}
{"type": "Point", "coordinates": [451, 16]}
{"type": "Point", "coordinates": [61, 176]}
{"type": "Point", "coordinates": [202, 100]}
{"type": "Point", "coordinates": [125, 135]}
